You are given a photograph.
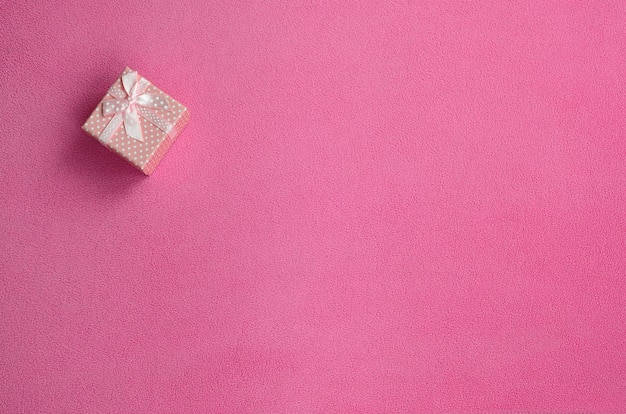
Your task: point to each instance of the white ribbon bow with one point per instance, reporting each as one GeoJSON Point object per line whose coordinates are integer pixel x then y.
{"type": "Point", "coordinates": [131, 102]}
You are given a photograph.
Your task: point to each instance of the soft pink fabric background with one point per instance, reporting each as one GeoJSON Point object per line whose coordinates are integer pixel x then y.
{"type": "Point", "coordinates": [378, 206]}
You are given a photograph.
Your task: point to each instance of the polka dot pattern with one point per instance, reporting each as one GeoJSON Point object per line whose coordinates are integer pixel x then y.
{"type": "Point", "coordinates": [166, 144]}
{"type": "Point", "coordinates": [114, 105]}
{"type": "Point", "coordinates": [138, 153]}
{"type": "Point", "coordinates": [117, 90]}
{"type": "Point", "coordinates": [155, 119]}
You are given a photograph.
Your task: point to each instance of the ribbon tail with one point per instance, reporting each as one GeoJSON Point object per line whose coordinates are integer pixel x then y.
{"type": "Point", "coordinates": [110, 129]}
{"type": "Point", "coordinates": [132, 125]}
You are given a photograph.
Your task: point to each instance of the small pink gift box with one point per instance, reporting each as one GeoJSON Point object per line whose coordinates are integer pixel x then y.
{"type": "Point", "coordinates": [137, 120]}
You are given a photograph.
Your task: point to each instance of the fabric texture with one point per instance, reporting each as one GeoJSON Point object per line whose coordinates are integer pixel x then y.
{"type": "Point", "coordinates": [377, 206]}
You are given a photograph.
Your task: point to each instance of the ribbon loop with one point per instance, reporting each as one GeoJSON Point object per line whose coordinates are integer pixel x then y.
{"type": "Point", "coordinates": [114, 106]}
{"type": "Point", "coordinates": [130, 103]}
{"type": "Point", "coordinates": [117, 92]}
{"type": "Point", "coordinates": [147, 99]}
{"type": "Point", "coordinates": [129, 81]}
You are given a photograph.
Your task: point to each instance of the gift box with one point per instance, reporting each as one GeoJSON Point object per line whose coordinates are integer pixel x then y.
{"type": "Point", "coordinates": [137, 120]}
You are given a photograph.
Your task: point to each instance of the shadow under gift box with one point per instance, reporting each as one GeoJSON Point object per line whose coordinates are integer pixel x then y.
{"type": "Point", "coordinates": [137, 121]}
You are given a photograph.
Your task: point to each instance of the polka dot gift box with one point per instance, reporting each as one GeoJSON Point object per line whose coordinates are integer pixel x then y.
{"type": "Point", "coordinates": [137, 120]}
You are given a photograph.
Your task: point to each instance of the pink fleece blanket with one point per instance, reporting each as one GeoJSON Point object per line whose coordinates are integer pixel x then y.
{"type": "Point", "coordinates": [377, 207]}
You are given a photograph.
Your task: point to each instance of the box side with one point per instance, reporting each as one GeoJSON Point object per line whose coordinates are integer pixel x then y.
{"type": "Point", "coordinates": [156, 157]}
